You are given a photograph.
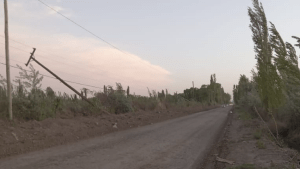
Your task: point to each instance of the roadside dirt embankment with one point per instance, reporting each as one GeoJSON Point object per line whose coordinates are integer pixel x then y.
{"type": "Point", "coordinates": [247, 142]}
{"type": "Point", "coordinates": [19, 137]}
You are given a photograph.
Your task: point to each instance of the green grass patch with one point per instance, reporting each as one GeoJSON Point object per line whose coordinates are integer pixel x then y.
{"type": "Point", "coordinates": [260, 144]}
{"type": "Point", "coordinates": [244, 115]}
{"type": "Point", "coordinates": [244, 166]}
{"type": "Point", "coordinates": [257, 134]}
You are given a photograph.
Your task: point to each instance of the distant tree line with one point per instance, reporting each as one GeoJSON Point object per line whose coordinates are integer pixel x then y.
{"type": "Point", "coordinates": [212, 93]}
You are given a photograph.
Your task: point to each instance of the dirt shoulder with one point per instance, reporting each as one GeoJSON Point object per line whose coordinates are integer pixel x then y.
{"type": "Point", "coordinates": [19, 137]}
{"type": "Point", "coordinates": [247, 143]}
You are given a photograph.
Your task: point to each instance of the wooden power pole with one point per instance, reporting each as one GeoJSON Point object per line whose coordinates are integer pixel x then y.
{"type": "Point", "coordinates": [7, 62]}
{"type": "Point", "coordinates": [61, 80]}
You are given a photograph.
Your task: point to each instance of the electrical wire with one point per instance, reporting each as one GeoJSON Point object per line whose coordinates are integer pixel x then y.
{"type": "Point", "coordinates": [58, 71]}
{"type": "Point", "coordinates": [56, 78]}
{"type": "Point", "coordinates": [42, 56]}
{"type": "Point", "coordinates": [60, 57]}
{"type": "Point", "coordinates": [92, 33]}
{"type": "Point", "coordinates": [17, 41]}
{"type": "Point", "coordinates": [63, 64]}
{"type": "Point", "coordinates": [81, 26]}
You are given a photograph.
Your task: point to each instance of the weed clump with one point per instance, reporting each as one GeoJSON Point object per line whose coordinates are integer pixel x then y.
{"type": "Point", "coordinates": [260, 144]}
{"type": "Point", "coordinates": [257, 134]}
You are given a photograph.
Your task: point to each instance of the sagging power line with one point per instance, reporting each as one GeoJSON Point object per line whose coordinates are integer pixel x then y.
{"type": "Point", "coordinates": [61, 72]}
{"type": "Point", "coordinates": [55, 78]}
{"type": "Point", "coordinates": [66, 64]}
{"type": "Point", "coordinates": [60, 57]}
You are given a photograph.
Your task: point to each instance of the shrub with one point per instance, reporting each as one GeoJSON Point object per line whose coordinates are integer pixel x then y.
{"type": "Point", "coordinates": [121, 103]}
{"type": "Point", "coordinates": [34, 106]}
{"type": "Point", "coordinates": [244, 115]}
{"type": "Point", "coordinates": [151, 105]}
{"type": "Point", "coordinates": [260, 144]}
{"type": "Point", "coordinates": [257, 134]}
{"type": "Point", "coordinates": [115, 102]}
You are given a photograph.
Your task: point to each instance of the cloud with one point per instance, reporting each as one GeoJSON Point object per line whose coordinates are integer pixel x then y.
{"type": "Point", "coordinates": [66, 12]}
{"type": "Point", "coordinates": [33, 9]}
{"type": "Point", "coordinates": [56, 8]}
{"type": "Point", "coordinates": [85, 60]}
{"type": "Point", "coordinates": [79, 59]}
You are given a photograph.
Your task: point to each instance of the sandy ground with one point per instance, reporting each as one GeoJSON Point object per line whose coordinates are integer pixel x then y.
{"type": "Point", "coordinates": [177, 143]}
{"type": "Point", "coordinates": [238, 144]}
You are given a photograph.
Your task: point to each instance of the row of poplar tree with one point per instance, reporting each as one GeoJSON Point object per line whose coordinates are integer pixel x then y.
{"type": "Point", "coordinates": [275, 84]}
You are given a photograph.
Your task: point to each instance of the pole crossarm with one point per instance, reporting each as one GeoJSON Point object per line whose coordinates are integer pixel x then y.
{"type": "Point", "coordinates": [30, 57]}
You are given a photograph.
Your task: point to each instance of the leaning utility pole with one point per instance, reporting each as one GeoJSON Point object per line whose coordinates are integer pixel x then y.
{"type": "Point", "coordinates": [65, 83]}
{"type": "Point", "coordinates": [7, 62]}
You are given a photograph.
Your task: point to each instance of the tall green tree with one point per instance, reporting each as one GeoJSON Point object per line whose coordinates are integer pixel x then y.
{"type": "Point", "coordinates": [269, 83]}
{"type": "Point", "coordinates": [235, 94]}
{"type": "Point", "coordinates": [286, 62]}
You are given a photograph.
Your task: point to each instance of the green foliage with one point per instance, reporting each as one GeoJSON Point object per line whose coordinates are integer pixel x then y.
{"type": "Point", "coordinates": [120, 103]}
{"type": "Point", "coordinates": [31, 80]}
{"type": "Point", "coordinates": [298, 40]}
{"type": "Point", "coordinates": [115, 101]}
{"type": "Point", "coordinates": [269, 83]}
{"type": "Point", "coordinates": [257, 134]}
{"type": "Point", "coordinates": [286, 62]}
{"type": "Point", "coordinates": [2, 82]}
{"type": "Point", "coordinates": [244, 115]}
{"type": "Point", "coordinates": [3, 99]}
{"type": "Point", "coordinates": [49, 92]}
{"type": "Point", "coordinates": [212, 93]}
{"type": "Point", "coordinates": [260, 145]}
{"type": "Point", "coordinates": [277, 79]}
{"type": "Point", "coordinates": [244, 166]}
{"type": "Point", "coordinates": [30, 102]}
{"type": "Point", "coordinates": [144, 103]}
{"type": "Point", "coordinates": [161, 95]}
{"type": "Point", "coordinates": [245, 93]}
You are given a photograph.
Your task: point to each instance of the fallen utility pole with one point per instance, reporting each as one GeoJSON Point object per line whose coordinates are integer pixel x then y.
{"type": "Point", "coordinates": [74, 90]}
{"type": "Point", "coordinates": [9, 97]}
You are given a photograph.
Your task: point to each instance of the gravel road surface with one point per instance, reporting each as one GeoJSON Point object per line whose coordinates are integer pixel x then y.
{"type": "Point", "coordinates": [179, 143]}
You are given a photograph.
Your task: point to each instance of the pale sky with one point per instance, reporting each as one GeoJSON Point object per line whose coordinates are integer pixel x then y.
{"type": "Point", "coordinates": [165, 44]}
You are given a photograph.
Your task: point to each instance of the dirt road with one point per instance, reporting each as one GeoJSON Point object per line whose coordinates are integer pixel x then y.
{"type": "Point", "coordinates": [177, 143]}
